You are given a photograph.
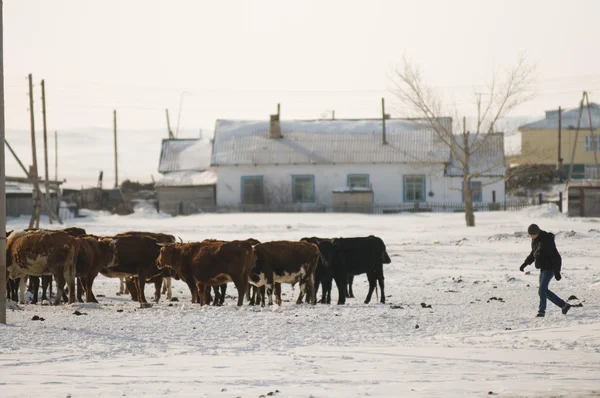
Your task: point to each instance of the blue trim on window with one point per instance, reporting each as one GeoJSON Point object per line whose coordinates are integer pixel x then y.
{"type": "Point", "coordinates": [473, 183]}
{"type": "Point", "coordinates": [312, 177]}
{"type": "Point", "coordinates": [423, 192]}
{"type": "Point", "coordinates": [358, 175]}
{"type": "Point", "coordinates": [242, 185]}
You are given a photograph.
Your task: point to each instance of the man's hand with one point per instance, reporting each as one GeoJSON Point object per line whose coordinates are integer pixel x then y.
{"type": "Point", "coordinates": [522, 268]}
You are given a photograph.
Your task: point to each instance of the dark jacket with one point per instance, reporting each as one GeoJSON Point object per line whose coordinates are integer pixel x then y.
{"type": "Point", "coordinates": [544, 253]}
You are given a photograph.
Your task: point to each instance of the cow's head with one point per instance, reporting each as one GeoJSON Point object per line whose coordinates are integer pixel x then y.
{"type": "Point", "coordinates": [165, 258]}
{"type": "Point", "coordinates": [385, 258]}
{"type": "Point", "coordinates": [108, 251]}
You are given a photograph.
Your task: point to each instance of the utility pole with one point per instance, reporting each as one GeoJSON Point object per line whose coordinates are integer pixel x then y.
{"type": "Point", "coordinates": [116, 163]}
{"type": "Point", "coordinates": [560, 159]}
{"type": "Point", "coordinates": [34, 222]}
{"type": "Point", "coordinates": [46, 183]}
{"type": "Point", "coordinates": [383, 117]}
{"type": "Point", "coordinates": [2, 183]}
{"type": "Point", "coordinates": [55, 156]}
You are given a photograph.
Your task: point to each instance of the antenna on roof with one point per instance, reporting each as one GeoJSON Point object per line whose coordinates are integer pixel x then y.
{"type": "Point", "coordinates": [169, 125]}
{"type": "Point", "coordinates": [383, 117]}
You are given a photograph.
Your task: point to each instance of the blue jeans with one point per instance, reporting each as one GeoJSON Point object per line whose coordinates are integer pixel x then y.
{"type": "Point", "coordinates": [546, 276]}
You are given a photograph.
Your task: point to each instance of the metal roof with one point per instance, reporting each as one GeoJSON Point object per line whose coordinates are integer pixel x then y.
{"type": "Point", "coordinates": [188, 178]}
{"type": "Point", "coordinates": [184, 155]}
{"type": "Point", "coordinates": [327, 142]}
{"type": "Point", "coordinates": [568, 119]}
{"type": "Point", "coordinates": [488, 160]}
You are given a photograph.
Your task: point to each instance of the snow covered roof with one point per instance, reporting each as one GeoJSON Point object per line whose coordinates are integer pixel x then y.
{"type": "Point", "coordinates": [568, 119]}
{"type": "Point", "coordinates": [184, 155]}
{"type": "Point", "coordinates": [188, 178]}
{"type": "Point", "coordinates": [245, 142]}
{"type": "Point", "coordinates": [16, 188]}
{"type": "Point", "coordinates": [488, 160]}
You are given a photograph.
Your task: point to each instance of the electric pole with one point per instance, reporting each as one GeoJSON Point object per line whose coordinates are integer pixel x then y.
{"type": "Point", "coordinates": [116, 157]}
{"type": "Point", "coordinates": [2, 183]}
{"type": "Point", "coordinates": [46, 183]}
{"type": "Point", "coordinates": [34, 222]}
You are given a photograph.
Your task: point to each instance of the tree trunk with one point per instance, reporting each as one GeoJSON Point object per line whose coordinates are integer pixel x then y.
{"type": "Point", "coordinates": [468, 199]}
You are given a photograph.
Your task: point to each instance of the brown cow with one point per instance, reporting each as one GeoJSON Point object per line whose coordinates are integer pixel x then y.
{"type": "Point", "coordinates": [136, 255]}
{"type": "Point", "coordinates": [94, 254]}
{"type": "Point", "coordinates": [43, 253]}
{"type": "Point", "coordinates": [160, 237]}
{"type": "Point", "coordinates": [286, 262]}
{"type": "Point", "coordinates": [210, 263]}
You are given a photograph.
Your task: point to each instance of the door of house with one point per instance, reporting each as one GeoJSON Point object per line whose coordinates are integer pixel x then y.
{"type": "Point", "coordinates": [252, 190]}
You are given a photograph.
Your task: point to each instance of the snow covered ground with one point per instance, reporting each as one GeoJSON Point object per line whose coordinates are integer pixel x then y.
{"type": "Point", "coordinates": [466, 344]}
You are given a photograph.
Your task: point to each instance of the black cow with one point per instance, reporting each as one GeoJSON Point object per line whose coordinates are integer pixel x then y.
{"type": "Point", "coordinates": [328, 270]}
{"type": "Point", "coordinates": [357, 256]}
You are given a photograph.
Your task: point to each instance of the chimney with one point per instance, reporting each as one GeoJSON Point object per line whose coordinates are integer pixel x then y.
{"type": "Point", "coordinates": [275, 127]}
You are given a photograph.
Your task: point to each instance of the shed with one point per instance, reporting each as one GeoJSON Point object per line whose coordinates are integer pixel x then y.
{"type": "Point", "coordinates": [188, 184]}
{"type": "Point", "coordinates": [355, 200]}
{"type": "Point", "coordinates": [583, 198]}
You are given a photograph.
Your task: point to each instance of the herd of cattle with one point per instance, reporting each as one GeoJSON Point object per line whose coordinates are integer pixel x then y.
{"type": "Point", "coordinates": [74, 257]}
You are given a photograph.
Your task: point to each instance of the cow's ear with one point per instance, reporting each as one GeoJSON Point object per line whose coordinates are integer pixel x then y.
{"type": "Point", "coordinates": [9, 232]}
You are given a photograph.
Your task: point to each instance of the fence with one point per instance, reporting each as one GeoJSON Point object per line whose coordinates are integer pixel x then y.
{"type": "Point", "coordinates": [429, 207]}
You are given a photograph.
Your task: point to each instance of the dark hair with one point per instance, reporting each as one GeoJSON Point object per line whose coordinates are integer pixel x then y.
{"type": "Point", "coordinates": [533, 229]}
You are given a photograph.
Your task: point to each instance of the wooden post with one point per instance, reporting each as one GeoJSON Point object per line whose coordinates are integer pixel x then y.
{"type": "Point", "coordinates": [34, 221]}
{"type": "Point", "coordinates": [539, 198]}
{"type": "Point", "coordinates": [581, 202]}
{"type": "Point", "coordinates": [493, 196]}
{"type": "Point", "coordinates": [55, 156]}
{"type": "Point", "coordinates": [2, 183]}
{"type": "Point", "coordinates": [560, 201]}
{"type": "Point", "coordinates": [46, 184]}
{"type": "Point", "coordinates": [383, 138]}
{"type": "Point", "coordinates": [560, 159]}
{"type": "Point", "coordinates": [116, 152]}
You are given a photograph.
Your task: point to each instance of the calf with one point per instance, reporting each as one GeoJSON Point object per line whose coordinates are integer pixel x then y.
{"type": "Point", "coordinates": [357, 256]}
{"type": "Point", "coordinates": [43, 253]}
{"type": "Point", "coordinates": [286, 262]}
{"type": "Point", "coordinates": [210, 263]}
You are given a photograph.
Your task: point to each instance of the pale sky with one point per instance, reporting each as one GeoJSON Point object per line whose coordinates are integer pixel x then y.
{"type": "Point", "coordinates": [238, 59]}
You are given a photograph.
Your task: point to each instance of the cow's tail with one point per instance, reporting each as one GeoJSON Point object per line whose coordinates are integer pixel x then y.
{"type": "Point", "coordinates": [377, 292]}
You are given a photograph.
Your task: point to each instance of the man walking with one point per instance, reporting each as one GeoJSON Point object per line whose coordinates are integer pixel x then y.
{"type": "Point", "coordinates": [548, 261]}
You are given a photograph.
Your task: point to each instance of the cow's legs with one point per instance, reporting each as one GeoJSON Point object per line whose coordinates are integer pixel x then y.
{"type": "Point", "coordinates": [350, 293]}
{"type": "Point", "coordinates": [89, 294]}
{"type": "Point", "coordinates": [341, 281]}
{"type": "Point", "coordinates": [157, 288]}
{"type": "Point", "coordinates": [240, 285]}
{"type": "Point", "coordinates": [201, 293]}
{"type": "Point", "coordinates": [193, 289]}
{"type": "Point", "coordinates": [269, 288]}
{"type": "Point", "coordinates": [34, 285]}
{"type": "Point", "coordinates": [168, 287]}
{"type": "Point", "coordinates": [381, 287]}
{"type": "Point", "coordinates": [249, 294]}
{"type": "Point", "coordinates": [60, 287]}
{"type": "Point", "coordinates": [223, 291]}
{"type": "Point", "coordinates": [326, 294]}
{"type": "Point", "coordinates": [22, 288]}
{"type": "Point", "coordinates": [217, 295]}
{"type": "Point", "coordinates": [141, 284]}
{"type": "Point", "coordinates": [46, 282]}
{"type": "Point", "coordinates": [70, 279]}
{"type": "Point", "coordinates": [372, 276]}
{"type": "Point", "coordinates": [80, 288]}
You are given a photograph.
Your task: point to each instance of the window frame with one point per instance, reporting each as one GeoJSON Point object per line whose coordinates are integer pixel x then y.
{"type": "Point", "coordinates": [480, 183]}
{"type": "Point", "coordinates": [252, 177]}
{"type": "Point", "coordinates": [589, 142]}
{"type": "Point", "coordinates": [423, 191]}
{"type": "Point", "coordinates": [349, 176]}
{"type": "Point", "coordinates": [296, 176]}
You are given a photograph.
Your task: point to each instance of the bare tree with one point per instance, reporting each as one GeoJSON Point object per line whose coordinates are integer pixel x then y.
{"type": "Point", "coordinates": [278, 193]}
{"type": "Point", "coordinates": [471, 147]}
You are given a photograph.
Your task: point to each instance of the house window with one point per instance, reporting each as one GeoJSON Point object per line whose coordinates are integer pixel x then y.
{"type": "Point", "coordinates": [592, 172]}
{"type": "Point", "coordinates": [252, 190]}
{"type": "Point", "coordinates": [414, 188]}
{"type": "Point", "coordinates": [476, 192]}
{"type": "Point", "coordinates": [358, 181]}
{"type": "Point", "coordinates": [303, 188]}
{"type": "Point", "coordinates": [591, 142]}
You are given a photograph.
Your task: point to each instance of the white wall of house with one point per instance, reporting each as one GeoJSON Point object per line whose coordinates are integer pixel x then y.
{"type": "Point", "coordinates": [387, 181]}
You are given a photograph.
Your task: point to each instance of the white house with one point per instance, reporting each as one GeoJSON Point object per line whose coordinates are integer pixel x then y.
{"type": "Point", "coordinates": [303, 163]}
